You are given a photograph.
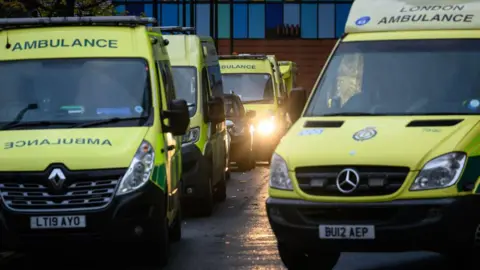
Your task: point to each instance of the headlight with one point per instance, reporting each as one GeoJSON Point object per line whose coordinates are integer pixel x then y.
{"type": "Point", "coordinates": [139, 171]}
{"type": "Point", "coordinates": [440, 172]}
{"type": "Point", "coordinates": [279, 178]}
{"type": "Point", "coordinates": [191, 136]}
{"type": "Point", "coordinates": [266, 126]}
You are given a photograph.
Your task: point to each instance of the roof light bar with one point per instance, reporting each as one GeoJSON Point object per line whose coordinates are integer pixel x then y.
{"type": "Point", "coordinates": [63, 21]}
{"type": "Point", "coordinates": [175, 29]}
{"type": "Point", "coordinates": [244, 56]}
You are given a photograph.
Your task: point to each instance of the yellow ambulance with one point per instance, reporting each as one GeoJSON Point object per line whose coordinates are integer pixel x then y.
{"type": "Point", "coordinates": [385, 156]}
{"type": "Point", "coordinates": [91, 137]}
{"type": "Point", "coordinates": [289, 72]}
{"type": "Point", "coordinates": [196, 73]}
{"type": "Point", "coordinates": [256, 79]}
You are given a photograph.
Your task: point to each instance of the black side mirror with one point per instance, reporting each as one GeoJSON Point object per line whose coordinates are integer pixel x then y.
{"type": "Point", "coordinates": [216, 110]}
{"type": "Point", "coordinates": [251, 114]}
{"type": "Point", "coordinates": [178, 117]}
{"type": "Point", "coordinates": [297, 100]}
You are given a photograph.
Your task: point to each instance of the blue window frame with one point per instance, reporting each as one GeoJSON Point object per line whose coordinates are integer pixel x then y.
{"type": "Point", "coordinates": [223, 20]}
{"type": "Point", "coordinates": [273, 19]}
{"type": "Point", "coordinates": [148, 9]}
{"type": "Point", "coordinates": [256, 21]}
{"type": "Point", "coordinates": [291, 14]}
{"type": "Point", "coordinates": [341, 15]}
{"type": "Point", "coordinates": [202, 19]}
{"type": "Point", "coordinates": [169, 14]}
{"type": "Point", "coordinates": [309, 21]}
{"type": "Point", "coordinates": [326, 21]}
{"type": "Point", "coordinates": [134, 9]}
{"type": "Point", "coordinates": [240, 29]}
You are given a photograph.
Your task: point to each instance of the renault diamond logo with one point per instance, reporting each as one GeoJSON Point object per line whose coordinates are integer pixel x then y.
{"type": "Point", "coordinates": [365, 134]}
{"type": "Point", "coordinates": [348, 180]}
{"type": "Point", "coordinates": [57, 178]}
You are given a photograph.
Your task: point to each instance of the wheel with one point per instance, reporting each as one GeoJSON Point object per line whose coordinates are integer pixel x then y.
{"type": "Point", "coordinates": [227, 175]}
{"type": "Point", "coordinates": [253, 163]}
{"type": "Point", "coordinates": [247, 163]}
{"type": "Point", "coordinates": [205, 207]}
{"type": "Point", "coordinates": [175, 233]}
{"type": "Point", "coordinates": [298, 259]}
{"type": "Point", "coordinates": [221, 194]}
{"type": "Point", "coordinates": [155, 252]}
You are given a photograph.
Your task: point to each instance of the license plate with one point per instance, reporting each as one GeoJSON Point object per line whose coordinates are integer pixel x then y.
{"type": "Point", "coordinates": [347, 232]}
{"type": "Point", "coordinates": [58, 222]}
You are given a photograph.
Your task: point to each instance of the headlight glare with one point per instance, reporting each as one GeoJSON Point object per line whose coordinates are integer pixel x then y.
{"type": "Point", "coordinates": [279, 178]}
{"type": "Point", "coordinates": [139, 171]}
{"type": "Point", "coordinates": [441, 172]}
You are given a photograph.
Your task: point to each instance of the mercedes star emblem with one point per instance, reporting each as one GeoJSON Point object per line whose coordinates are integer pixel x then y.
{"type": "Point", "coordinates": [348, 180]}
{"type": "Point", "coordinates": [365, 134]}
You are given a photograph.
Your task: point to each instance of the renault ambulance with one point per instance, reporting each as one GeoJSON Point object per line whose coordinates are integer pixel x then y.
{"type": "Point", "coordinates": [197, 77]}
{"type": "Point", "coordinates": [385, 156]}
{"type": "Point", "coordinates": [91, 135]}
{"type": "Point", "coordinates": [257, 81]}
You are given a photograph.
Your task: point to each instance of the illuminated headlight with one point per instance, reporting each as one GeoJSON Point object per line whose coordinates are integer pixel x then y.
{"type": "Point", "coordinates": [139, 171]}
{"type": "Point", "coordinates": [266, 126]}
{"type": "Point", "coordinates": [441, 172]}
{"type": "Point", "coordinates": [279, 178]}
{"type": "Point", "coordinates": [191, 136]}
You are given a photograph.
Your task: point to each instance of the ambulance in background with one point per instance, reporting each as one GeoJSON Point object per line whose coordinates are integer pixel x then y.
{"type": "Point", "coordinates": [289, 72]}
{"type": "Point", "coordinates": [256, 80]}
{"type": "Point", "coordinates": [385, 156]}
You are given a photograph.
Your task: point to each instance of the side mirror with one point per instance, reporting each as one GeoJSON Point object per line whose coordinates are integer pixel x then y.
{"type": "Point", "coordinates": [216, 110]}
{"type": "Point", "coordinates": [297, 100]}
{"type": "Point", "coordinates": [178, 117]}
{"type": "Point", "coordinates": [251, 114]}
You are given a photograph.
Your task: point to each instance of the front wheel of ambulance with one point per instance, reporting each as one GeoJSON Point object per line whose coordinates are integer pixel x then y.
{"type": "Point", "coordinates": [221, 191]}
{"type": "Point", "coordinates": [156, 251]}
{"type": "Point", "coordinates": [298, 259]}
{"type": "Point", "coordinates": [205, 207]}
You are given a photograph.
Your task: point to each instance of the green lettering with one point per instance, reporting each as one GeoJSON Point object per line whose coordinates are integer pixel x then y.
{"type": "Point", "coordinates": [42, 44]}
{"type": "Point", "coordinates": [8, 145]}
{"type": "Point", "coordinates": [107, 142]}
{"type": "Point", "coordinates": [63, 43]}
{"type": "Point", "coordinates": [68, 141]}
{"type": "Point", "coordinates": [113, 43]}
{"type": "Point", "coordinates": [34, 142]}
{"type": "Point", "coordinates": [59, 141]}
{"type": "Point", "coordinates": [102, 43]}
{"type": "Point", "coordinates": [57, 43]}
{"type": "Point", "coordinates": [89, 42]}
{"type": "Point", "coordinates": [20, 143]}
{"type": "Point", "coordinates": [17, 47]}
{"type": "Point", "coordinates": [30, 45]}
{"type": "Point", "coordinates": [76, 42]}
{"type": "Point", "coordinates": [44, 141]}
{"type": "Point", "coordinates": [80, 141]}
{"type": "Point", "coordinates": [93, 141]}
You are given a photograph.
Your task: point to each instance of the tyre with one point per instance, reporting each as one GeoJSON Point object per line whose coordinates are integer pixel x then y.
{"type": "Point", "coordinates": [298, 259]}
{"type": "Point", "coordinates": [155, 252]}
{"type": "Point", "coordinates": [205, 206]}
{"type": "Point", "coordinates": [175, 233]}
{"type": "Point", "coordinates": [221, 192]}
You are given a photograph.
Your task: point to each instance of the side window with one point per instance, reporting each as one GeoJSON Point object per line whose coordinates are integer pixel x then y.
{"type": "Point", "coordinates": [206, 95]}
{"type": "Point", "coordinates": [167, 79]}
{"type": "Point", "coordinates": [216, 82]}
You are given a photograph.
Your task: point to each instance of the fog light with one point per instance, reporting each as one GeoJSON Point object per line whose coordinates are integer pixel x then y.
{"type": "Point", "coordinates": [189, 190]}
{"type": "Point", "coordinates": [138, 230]}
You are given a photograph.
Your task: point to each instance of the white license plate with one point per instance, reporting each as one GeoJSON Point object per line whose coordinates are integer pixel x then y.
{"type": "Point", "coordinates": [58, 222]}
{"type": "Point", "coordinates": [347, 232]}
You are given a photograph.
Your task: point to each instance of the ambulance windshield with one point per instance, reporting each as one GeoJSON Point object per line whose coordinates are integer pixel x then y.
{"type": "Point", "coordinates": [400, 77]}
{"type": "Point", "coordinates": [74, 91]}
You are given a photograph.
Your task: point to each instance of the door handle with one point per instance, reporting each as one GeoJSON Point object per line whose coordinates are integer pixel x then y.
{"type": "Point", "coordinates": [171, 147]}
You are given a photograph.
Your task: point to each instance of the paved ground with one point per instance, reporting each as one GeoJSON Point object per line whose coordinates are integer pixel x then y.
{"type": "Point", "coordinates": [238, 236]}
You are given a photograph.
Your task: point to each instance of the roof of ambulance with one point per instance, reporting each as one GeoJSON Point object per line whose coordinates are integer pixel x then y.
{"type": "Point", "coordinates": [407, 15]}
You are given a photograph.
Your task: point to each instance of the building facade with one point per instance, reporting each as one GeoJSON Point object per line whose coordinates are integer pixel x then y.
{"type": "Point", "coordinates": [301, 31]}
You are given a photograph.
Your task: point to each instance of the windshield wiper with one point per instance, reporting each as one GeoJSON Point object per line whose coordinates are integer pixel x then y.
{"type": "Point", "coordinates": [14, 124]}
{"type": "Point", "coordinates": [109, 121]}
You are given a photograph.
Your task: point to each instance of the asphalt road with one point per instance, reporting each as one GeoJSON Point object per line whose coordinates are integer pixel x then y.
{"type": "Point", "coordinates": [237, 236]}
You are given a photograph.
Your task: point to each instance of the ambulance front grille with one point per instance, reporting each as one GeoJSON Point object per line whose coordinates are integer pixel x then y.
{"type": "Point", "coordinates": [374, 180]}
{"type": "Point", "coordinates": [23, 196]}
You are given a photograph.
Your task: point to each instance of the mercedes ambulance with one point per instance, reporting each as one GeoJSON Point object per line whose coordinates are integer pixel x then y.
{"type": "Point", "coordinates": [90, 136]}
{"type": "Point", "coordinates": [197, 77]}
{"type": "Point", "coordinates": [385, 156]}
{"type": "Point", "coordinates": [256, 79]}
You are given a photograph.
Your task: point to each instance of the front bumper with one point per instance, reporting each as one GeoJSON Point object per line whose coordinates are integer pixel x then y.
{"type": "Point", "coordinates": [144, 208]}
{"type": "Point", "coordinates": [402, 225]}
{"type": "Point", "coordinates": [195, 170]}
